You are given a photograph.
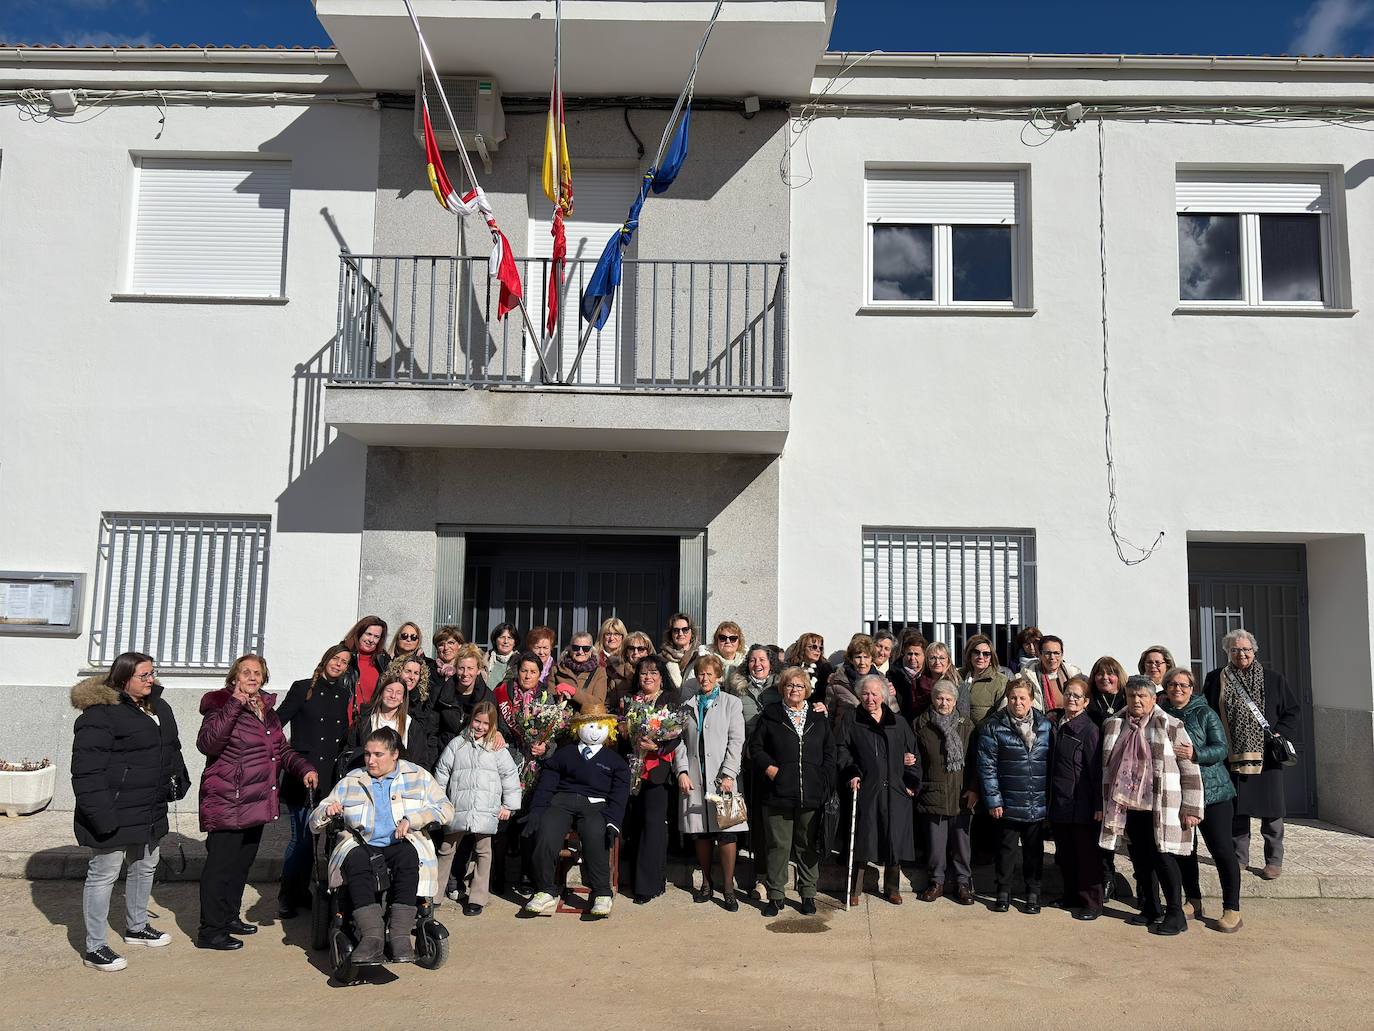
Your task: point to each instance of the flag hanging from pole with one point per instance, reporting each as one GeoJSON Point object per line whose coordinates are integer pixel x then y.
{"type": "Point", "coordinates": [558, 187]}
{"type": "Point", "coordinates": [501, 263]}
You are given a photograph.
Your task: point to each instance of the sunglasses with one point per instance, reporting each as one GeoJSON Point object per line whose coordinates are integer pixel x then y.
{"type": "Point", "coordinates": [982, 654]}
{"type": "Point", "coordinates": [637, 648]}
{"type": "Point", "coordinates": [410, 637]}
{"type": "Point", "coordinates": [727, 637]}
{"type": "Point", "coordinates": [581, 648]}
{"type": "Point", "coordinates": [682, 630]}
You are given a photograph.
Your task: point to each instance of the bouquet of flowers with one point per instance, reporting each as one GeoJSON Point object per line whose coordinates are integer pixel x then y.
{"type": "Point", "coordinates": [654, 722]}
{"type": "Point", "coordinates": [538, 722]}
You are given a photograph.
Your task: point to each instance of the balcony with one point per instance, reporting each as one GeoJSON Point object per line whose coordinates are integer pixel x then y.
{"type": "Point", "coordinates": [693, 357]}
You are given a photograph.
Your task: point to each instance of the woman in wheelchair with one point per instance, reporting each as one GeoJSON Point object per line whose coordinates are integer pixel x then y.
{"type": "Point", "coordinates": [385, 807]}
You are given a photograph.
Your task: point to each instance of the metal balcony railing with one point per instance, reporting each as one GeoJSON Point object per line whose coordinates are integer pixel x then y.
{"type": "Point", "coordinates": [686, 326]}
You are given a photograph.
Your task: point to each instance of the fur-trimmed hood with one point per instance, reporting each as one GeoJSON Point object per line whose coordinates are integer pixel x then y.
{"type": "Point", "coordinates": [94, 691]}
{"type": "Point", "coordinates": [212, 700]}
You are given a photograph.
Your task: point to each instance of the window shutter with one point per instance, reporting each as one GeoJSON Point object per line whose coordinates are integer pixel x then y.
{"type": "Point", "coordinates": [953, 198]}
{"type": "Point", "coordinates": [1254, 192]}
{"type": "Point", "coordinates": [211, 228]}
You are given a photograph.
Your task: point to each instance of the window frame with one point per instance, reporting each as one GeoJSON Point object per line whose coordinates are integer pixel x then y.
{"type": "Point", "coordinates": [1251, 255]}
{"type": "Point", "coordinates": [942, 245]}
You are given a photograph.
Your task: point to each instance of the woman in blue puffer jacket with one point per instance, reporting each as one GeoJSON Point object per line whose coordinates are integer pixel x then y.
{"type": "Point", "coordinates": [1013, 765]}
{"type": "Point", "coordinates": [483, 784]}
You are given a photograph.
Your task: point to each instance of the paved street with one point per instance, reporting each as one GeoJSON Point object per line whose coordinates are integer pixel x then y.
{"type": "Point", "coordinates": [1300, 963]}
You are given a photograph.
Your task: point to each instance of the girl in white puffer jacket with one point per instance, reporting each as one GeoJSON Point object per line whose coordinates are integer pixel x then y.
{"type": "Point", "coordinates": [484, 786]}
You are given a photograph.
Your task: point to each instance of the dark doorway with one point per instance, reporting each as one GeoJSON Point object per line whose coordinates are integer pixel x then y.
{"type": "Point", "coordinates": [569, 582]}
{"type": "Point", "coordinates": [1263, 588]}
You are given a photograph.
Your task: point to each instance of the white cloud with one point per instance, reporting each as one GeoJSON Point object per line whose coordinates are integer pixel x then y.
{"type": "Point", "coordinates": [100, 38]}
{"type": "Point", "coordinates": [1327, 26]}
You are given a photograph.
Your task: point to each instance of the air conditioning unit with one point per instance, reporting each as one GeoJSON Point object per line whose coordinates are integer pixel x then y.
{"type": "Point", "coordinates": [476, 103]}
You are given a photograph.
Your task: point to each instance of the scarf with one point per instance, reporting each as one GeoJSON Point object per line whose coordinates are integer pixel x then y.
{"type": "Point", "coordinates": [704, 703]}
{"type": "Point", "coordinates": [677, 655]}
{"type": "Point", "coordinates": [948, 726]}
{"type": "Point", "coordinates": [1130, 773]}
{"type": "Point", "coordinates": [1026, 728]}
{"type": "Point", "coordinates": [580, 666]}
{"type": "Point", "coordinates": [1243, 731]}
{"type": "Point", "coordinates": [798, 718]}
{"type": "Point", "coordinates": [445, 668]}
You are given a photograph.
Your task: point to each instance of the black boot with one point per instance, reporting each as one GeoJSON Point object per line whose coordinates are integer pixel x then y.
{"type": "Point", "coordinates": [367, 925]}
{"type": "Point", "coordinates": [1174, 922]}
{"type": "Point", "coordinates": [400, 923]}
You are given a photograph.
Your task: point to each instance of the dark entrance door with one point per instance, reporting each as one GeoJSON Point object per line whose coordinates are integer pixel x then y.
{"type": "Point", "coordinates": [569, 583]}
{"type": "Point", "coordinates": [1262, 588]}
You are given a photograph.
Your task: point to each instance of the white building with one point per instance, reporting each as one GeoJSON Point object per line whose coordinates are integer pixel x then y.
{"type": "Point", "coordinates": [854, 378]}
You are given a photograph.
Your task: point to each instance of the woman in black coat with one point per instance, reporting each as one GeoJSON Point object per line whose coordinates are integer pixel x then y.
{"type": "Point", "coordinates": [126, 767]}
{"type": "Point", "coordinates": [647, 813]}
{"type": "Point", "coordinates": [1258, 779]}
{"type": "Point", "coordinates": [792, 750]}
{"type": "Point", "coordinates": [877, 757]}
{"type": "Point", "coordinates": [1076, 800]}
{"type": "Point", "coordinates": [316, 712]}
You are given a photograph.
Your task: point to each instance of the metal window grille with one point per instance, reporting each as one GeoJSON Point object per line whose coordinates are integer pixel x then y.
{"type": "Point", "coordinates": [189, 590]}
{"type": "Point", "coordinates": [950, 584]}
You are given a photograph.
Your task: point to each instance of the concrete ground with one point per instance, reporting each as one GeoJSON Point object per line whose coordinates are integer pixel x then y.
{"type": "Point", "coordinates": [685, 966]}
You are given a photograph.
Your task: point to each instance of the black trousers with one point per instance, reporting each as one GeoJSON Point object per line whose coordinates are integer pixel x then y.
{"type": "Point", "coordinates": [1032, 839]}
{"type": "Point", "coordinates": [1152, 867]}
{"type": "Point", "coordinates": [1216, 832]}
{"type": "Point", "coordinates": [229, 856]}
{"type": "Point", "coordinates": [648, 815]}
{"type": "Point", "coordinates": [1080, 861]}
{"type": "Point", "coordinates": [402, 862]}
{"type": "Point", "coordinates": [567, 811]}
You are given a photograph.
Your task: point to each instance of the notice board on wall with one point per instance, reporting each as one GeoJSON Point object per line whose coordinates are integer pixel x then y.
{"type": "Point", "coordinates": [38, 603]}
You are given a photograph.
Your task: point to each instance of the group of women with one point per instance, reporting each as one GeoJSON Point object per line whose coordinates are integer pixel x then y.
{"type": "Point", "coordinates": [922, 753]}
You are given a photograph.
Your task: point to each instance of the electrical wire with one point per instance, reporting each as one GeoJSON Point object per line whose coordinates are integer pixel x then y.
{"type": "Point", "coordinates": [1118, 541]}
{"type": "Point", "coordinates": [797, 128]}
{"type": "Point", "coordinates": [639, 144]}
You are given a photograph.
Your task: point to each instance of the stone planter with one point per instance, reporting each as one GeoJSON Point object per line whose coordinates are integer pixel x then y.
{"type": "Point", "coordinates": [26, 791]}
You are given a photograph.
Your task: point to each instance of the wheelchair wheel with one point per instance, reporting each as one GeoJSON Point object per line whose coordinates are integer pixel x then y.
{"type": "Point", "coordinates": [321, 913]}
{"type": "Point", "coordinates": [431, 945]}
{"type": "Point", "coordinates": [340, 953]}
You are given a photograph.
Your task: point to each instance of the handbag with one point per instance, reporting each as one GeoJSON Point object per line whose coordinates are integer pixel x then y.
{"type": "Point", "coordinates": [730, 809]}
{"type": "Point", "coordinates": [1277, 748]}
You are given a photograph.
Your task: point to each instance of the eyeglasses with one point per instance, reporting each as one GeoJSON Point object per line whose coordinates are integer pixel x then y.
{"type": "Point", "coordinates": [1052, 655]}
{"type": "Point", "coordinates": [580, 648]}
{"type": "Point", "coordinates": [1075, 697]}
{"type": "Point", "coordinates": [1179, 685]}
{"type": "Point", "coordinates": [982, 653]}
{"type": "Point", "coordinates": [637, 648]}
{"type": "Point", "coordinates": [148, 677]}
{"type": "Point", "coordinates": [1155, 662]}
{"type": "Point", "coordinates": [1242, 651]}
{"type": "Point", "coordinates": [682, 629]}
{"type": "Point", "coordinates": [409, 637]}
{"type": "Point", "coordinates": [727, 637]}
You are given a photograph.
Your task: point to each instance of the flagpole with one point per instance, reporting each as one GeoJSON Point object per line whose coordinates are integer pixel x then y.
{"type": "Point", "coordinates": [467, 165]}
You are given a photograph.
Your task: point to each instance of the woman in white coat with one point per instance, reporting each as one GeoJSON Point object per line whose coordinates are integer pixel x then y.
{"type": "Point", "coordinates": [707, 762]}
{"type": "Point", "coordinates": [484, 786]}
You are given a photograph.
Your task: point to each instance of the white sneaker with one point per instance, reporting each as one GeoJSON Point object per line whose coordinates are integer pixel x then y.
{"type": "Point", "coordinates": [601, 907]}
{"type": "Point", "coordinates": [149, 936]}
{"type": "Point", "coordinates": [104, 959]}
{"type": "Point", "coordinates": [542, 904]}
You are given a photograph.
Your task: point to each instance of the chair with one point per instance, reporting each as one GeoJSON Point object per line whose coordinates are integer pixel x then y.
{"type": "Point", "coordinates": [570, 855]}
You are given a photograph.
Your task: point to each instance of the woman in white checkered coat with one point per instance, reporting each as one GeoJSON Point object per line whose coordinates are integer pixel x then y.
{"type": "Point", "coordinates": [1151, 793]}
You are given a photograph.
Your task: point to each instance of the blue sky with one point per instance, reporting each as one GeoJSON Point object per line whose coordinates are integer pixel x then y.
{"type": "Point", "coordinates": [1065, 26]}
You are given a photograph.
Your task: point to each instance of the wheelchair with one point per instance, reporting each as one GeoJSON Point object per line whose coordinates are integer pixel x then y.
{"type": "Point", "coordinates": [331, 924]}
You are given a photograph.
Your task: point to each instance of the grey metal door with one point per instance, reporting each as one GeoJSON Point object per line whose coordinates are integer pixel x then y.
{"type": "Point", "coordinates": [1262, 588]}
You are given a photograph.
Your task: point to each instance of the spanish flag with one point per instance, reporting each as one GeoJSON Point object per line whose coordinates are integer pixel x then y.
{"type": "Point", "coordinates": [501, 263]}
{"type": "Point", "coordinates": [557, 167]}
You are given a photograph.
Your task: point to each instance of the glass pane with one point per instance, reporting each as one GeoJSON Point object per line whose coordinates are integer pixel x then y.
{"type": "Point", "coordinates": [903, 265]}
{"type": "Point", "coordinates": [1291, 257]}
{"type": "Point", "coordinates": [1209, 257]}
{"type": "Point", "coordinates": [982, 263]}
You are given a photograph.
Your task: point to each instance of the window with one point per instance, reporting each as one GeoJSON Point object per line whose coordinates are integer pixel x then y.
{"type": "Point", "coordinates": [950, 584]}
{"type": "Point", "coordinates": [189, 590]}
{"type": "Point", "coordinates": [210, 228]}
{"type": "Point", "coordinates": [944, 239]}
{"type": "Point", "coordinates": [1254, 239]}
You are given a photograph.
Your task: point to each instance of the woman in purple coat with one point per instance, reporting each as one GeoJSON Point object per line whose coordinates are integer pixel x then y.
{"type": "Point", "coordinates": [246, 752]}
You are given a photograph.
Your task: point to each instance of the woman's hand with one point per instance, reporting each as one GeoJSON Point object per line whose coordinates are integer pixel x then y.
{"type": "Point", "coordinates": [970, 800]}
{"type": "Point", "coordinates": [771, 773]}
{"type": "Point", "coordinates": [504, 814]}
{"type": "Point", "coordinates": [1189, 822]}
{"type": "Point", "coordinates": [854, 783]}
{"type": "Point", "coordinates": [646, 744]}
{"type": "Point", "coordinates": [1097, 816]}
{"type": "Point", "coordinates": [538, 750]}
{"type": "Point", "coordinates": [727, 784]}
{"type": "Point", "coordinates": [311, 780]}
{"type": "Point", "coordinates": [402, 828]}
{"type": "Point", "coordinates": [996, 814]}
{"type": "Point", "coordinates": [498, 742]}
{"type": "Point", "coordinates": [908, 759]}
{"type": "Point", "coordinates": [333, 809]}
{"type": "Point", "coordinates": [909, 793]}
{"type": "Point", "coordinates": [818, 707]}
{"type": "Point", "coordinates": [1184, 750]}
{"type": "Point", "coordinates": [684, 782]}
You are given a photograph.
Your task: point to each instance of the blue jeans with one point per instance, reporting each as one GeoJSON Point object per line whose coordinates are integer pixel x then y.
{"type": "Point", "coordinates": [295, 865]}
{"type": "Point", "coordinates": [101, 874]}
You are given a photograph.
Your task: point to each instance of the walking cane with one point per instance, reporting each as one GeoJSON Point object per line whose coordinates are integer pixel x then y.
{"type": "Point", "coordinates": [849, 866]}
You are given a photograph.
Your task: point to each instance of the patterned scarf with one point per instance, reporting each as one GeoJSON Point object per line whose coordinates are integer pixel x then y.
{"type": "Point", "coordinates": [948, 726]}
{"type": "Point", "coordinates": [1243, 731]}
{"type": "Point", "coordinates": [580, 665]}
{"type": "Point", "coordinates": [1130, 773]}
{"type": "Point", "coordinates": [1026, 728]}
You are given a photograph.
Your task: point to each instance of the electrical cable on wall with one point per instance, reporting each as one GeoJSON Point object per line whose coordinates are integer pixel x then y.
{"type": "Point", "coordinates": [1118, 541]}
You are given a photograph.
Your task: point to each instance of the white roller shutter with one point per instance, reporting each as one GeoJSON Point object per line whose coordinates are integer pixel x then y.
{"type": "Point", "coordinates": [945, 198]}
{"type": "Point", "coordinates": [942, 577]}
{"type": "Point", "coordinates": [214, 228]}
{"type": "Point", "coordinates": [1254, 192]}
{"type": "Point", "coordinates": [601, 200]}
